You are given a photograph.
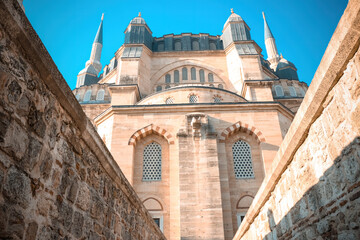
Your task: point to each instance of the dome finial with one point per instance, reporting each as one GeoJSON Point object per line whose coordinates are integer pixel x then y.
{"type": "Point", "coordinates": [102, 17]}
{"type": "Point", "coordinates": [263, 15]}
{"type": "Point", "coordinates": [139, 14]}
{"type": "Point", "coordinates": [232, 10]}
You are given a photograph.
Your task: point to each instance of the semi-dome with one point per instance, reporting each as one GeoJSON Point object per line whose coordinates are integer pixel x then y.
{"type": "Point", "coordinates": [138, 20]}
{"type": "Point", "coordinates": [286, 70]}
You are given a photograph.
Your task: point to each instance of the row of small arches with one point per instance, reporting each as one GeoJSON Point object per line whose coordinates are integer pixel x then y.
{"type": "Point", "coordinates": [160, 88]}
{"type": "Point", "coordinates": [100, 95]}
{"type": "Point", "coordinates": [192, 99]}
{"type": "Point", "coordinates": [195, 46]}
{"type": "Point", "coordinates": [279, 91]}
{"type": "Point", "coordinates": [184, 73]}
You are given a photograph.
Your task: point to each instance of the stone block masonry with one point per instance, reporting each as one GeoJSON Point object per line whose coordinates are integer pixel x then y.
{"type": "Point", "coordinates": [313, 191]}
{"type": "Point", "coordinates": [57, 178]}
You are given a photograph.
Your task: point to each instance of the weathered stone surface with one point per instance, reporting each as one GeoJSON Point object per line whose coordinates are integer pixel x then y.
{"type": "Point", "coordinates": [17, 187]}
{"type": "Point", "coordinates": [323, 200]}
{"type": "Point", "coordinates": [31, 231]}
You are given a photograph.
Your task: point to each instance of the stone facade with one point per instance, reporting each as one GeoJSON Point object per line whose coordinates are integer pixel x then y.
{"type": "Point", "coordinates": [313, 191]}
{"type": "Point", "coordinates": [57, 179]}
{"type": "Point", "coordinates": [202, 104]}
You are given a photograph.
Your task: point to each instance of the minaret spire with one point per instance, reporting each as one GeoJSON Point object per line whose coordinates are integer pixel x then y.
{"type": "Point", "coordinates": [89, 75]}
{"type": "Point", "coordinates": [96, 48]}
{"type": "Point", "coordinates": [272, 52]}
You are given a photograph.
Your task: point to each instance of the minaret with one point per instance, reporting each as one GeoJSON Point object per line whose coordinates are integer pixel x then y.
{"type": "Point", "coordinates": [273, 55]}
{"type": "Point", "coordinates": [89, 75]}
{"type": "Point", "coordinates": [96, 48]}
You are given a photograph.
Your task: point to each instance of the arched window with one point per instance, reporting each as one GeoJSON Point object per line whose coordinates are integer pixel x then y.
{"type": "Point", "coordinates": [193, 73]}
{"type": "Point", "coordinates": [195, 45]}
{"type": "Point", "coordinates": [87, 96]}
{"type": "Point", "coordinates": [167, 86]}
{"type": "Point", "coordinates": [279, 91]}
{"type": "Point", "coordinates": [211, 85]}
{"type": "Point", "coordinates": [169, 100]}
{"type": "Point", "coordinates": [177, 45]}
{"type": "Point", "coordinates": [100, 95]}
{"type": "Point", "coordinates": [184, 74]}
{"type": "Point", "coordinates": [158, 88]}
{"type": "Point", "coordinates": [78, 97]}
{"type": "Point", "coordinates": [242, 160]}
{"type": "Point", "coordinates": [212, 46]}
{"type": "Point", "coordinates": [176, 76]}
{"type": "Point", "coordinates": [167, 78]}
{"type": "Point", "coordinates": [211, 77]}
{"type": "Point", "coordinates": [292, 91]}
{"type": "Point", "coordinates": [193, 99]}
{"type": "Point", "coordinates": [202, 75]}
{"type": "Point", "coordinates": [152, 162]}
{"type": "Point", "coordinates": [220, 86]}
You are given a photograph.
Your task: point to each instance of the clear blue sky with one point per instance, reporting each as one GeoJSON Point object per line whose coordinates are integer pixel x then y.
{"type": "Point", "coordinates": [302, 28]}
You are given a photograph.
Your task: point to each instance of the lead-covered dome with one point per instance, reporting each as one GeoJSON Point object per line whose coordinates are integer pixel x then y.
{"type": "Point", "coordinates": [138, 20]}
{"type": "Point", "coordinates": [286, 70]}
{"type": "Point", "coordinates": [233, 18]}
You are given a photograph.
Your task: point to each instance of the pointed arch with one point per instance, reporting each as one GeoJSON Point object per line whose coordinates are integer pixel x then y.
{"type": "Point", "coordinates": [244, 199]}
{"type": "Point", "coordinates": [241, 127]}
{"type": "Point", "coordinates": [153, 204]}
{"type": "Point", "coordinates": [145, 131]}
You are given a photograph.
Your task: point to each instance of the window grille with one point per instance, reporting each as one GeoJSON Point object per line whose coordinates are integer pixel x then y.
{"type": "Point", "coordinates": [212, 46]}
{"type": "Point", "coordinates": [152, 162]}
{"type": "Point", "coordinates": [177, 46]}
{"type": "Point", "coordinates": [217, 99]}
{"type": "Point", "coordinates": [242, 160]}
{"type": "Point", "coordinates": [169, 100]}
{"type": "Point", "coordinates": [193, 99]}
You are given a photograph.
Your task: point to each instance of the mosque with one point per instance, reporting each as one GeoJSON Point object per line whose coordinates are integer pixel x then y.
{"type": "Point", "coordinates": [193, 120]}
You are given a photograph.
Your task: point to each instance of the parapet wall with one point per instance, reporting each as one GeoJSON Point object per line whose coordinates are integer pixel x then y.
{"type": "Point", "coordinates": [314, 188]}
{"type": "Point", "coordinates": [57, 178]}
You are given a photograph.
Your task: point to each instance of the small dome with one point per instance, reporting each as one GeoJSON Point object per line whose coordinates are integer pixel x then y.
{"type": "Point", "coordinates": [138, 20]}
{"type": "Point", "coordinates": [284, 63]}
{"type": "Point", "coordinates": [233, 18]}
{"type": "Point", "coordinates": [89, 69]}
{"type": "Point", "coordinates": [286, 70]}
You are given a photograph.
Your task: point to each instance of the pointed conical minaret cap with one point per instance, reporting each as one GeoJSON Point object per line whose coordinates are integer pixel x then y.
{"type": "Point", "coordinates": [267, 31]}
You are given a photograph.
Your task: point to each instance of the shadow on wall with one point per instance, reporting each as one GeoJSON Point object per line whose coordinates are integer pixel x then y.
{"type": "Point", "coordinates": [330, 208]}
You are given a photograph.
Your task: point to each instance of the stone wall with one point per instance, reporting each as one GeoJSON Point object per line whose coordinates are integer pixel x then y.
{"type": "Point", "coordinates": [314, 189]}
{"type": "Point", "coordinates": [57, 178]}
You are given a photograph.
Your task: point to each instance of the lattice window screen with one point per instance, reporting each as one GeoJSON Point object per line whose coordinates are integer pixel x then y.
{"type": "Point", "coordinates": [242, 160]}
{"type": "Point", "coordinates": [169, 100]}
{"type": "Point", "coordinates": [193, 99]}
{"type": "Point", "coordinates": [152, 162]}
{"type": "Point", "coordinates": [217, 99]}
